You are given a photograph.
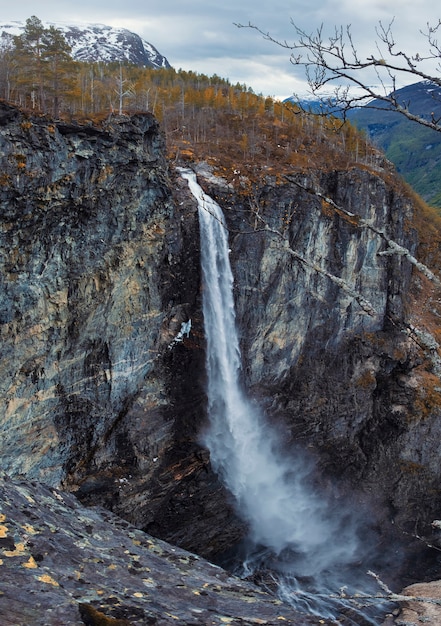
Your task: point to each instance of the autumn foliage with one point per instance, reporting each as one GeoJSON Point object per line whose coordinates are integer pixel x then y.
{"type": "Point", "coordinates": [203, 117]}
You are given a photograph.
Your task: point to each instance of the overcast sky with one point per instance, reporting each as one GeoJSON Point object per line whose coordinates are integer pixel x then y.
{"type": "Point", "coordinates": [201, 35]}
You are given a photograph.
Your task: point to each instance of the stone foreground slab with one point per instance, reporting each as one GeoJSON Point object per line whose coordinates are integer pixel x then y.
{"type": "Point", "coordinates": [63, 563]}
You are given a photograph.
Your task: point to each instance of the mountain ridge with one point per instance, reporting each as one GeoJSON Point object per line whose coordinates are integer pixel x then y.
{"type": "Point", "coordinates": [414, 149]}
{"type": "Point", "coordinates": [99, 42]}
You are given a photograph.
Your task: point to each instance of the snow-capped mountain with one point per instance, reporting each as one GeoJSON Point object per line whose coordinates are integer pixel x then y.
{"type": "Point", "coordinates": [98, 42]}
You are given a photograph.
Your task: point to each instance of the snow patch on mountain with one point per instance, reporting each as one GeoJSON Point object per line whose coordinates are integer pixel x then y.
{"type": "Point", "coordinates": [98, 42]}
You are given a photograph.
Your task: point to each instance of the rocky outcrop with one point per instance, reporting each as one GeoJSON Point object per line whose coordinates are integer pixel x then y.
{"type": "Point", "coordinates": [99, 269]}
{"type": "Point", "coordinates": [423, 605]}
{"type": "Point", "coordinates": [102, 394]}
{"type": "Point", "coordinates": [352, 385]}
{"type": "Point", "coordinates": [62, 563]}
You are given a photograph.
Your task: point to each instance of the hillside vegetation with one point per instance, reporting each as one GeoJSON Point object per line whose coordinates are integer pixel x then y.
{"type": "Point", "coordinates": [414, 149]}
{"type": "Point", "coordinates": [243, 135]}
{"type": "Point", "coordinates": [203, 117]}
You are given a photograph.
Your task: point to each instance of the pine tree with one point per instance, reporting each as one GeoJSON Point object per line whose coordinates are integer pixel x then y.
{"type": "Point", "coordinates": [56, 65]}
{"type": "Point", "coordinates": [28, 49]}
{"type": "Point", "coordinates": [43, 56]}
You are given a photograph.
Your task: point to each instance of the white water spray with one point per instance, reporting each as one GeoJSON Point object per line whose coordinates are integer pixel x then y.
{"type": "Point", "coordinates": [273, 491]}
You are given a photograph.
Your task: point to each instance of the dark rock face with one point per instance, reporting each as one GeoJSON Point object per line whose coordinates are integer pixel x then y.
{"type": "Point", "coordinates": [100, 267]}
{"type": "Point", "coordinates": [344, 383]}
{"type": "Point", "coordinates": [62, 563]}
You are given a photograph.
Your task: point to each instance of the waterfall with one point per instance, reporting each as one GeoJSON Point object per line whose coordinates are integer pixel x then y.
{"type": "Point", "coordinates": [298, 530]}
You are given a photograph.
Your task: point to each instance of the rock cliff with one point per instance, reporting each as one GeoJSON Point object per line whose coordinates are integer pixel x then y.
{"type": "Point", "coordinates": [102, 395]}
{"type": "Point", "coordinates": [100, 268]}
{"type": "Point", "coordinates": [353, 383]}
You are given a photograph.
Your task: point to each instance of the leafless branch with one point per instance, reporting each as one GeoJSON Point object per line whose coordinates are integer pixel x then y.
{"type": "Point", "coordinates": [399, 597]}
{"type": "Point", "coordinates": [364, 304]}
{"type": "Point", "coordinates": [393, 248]}
{"type": "Point", "coordinates": [334, 62]}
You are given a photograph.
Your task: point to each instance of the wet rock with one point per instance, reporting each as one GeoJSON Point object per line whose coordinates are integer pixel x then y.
{"type": "Point", "coordinates": [72, 565]}
{"type": "Point", "coordinates": [423, 606]}
{"type": "Point", "coordinates": [356, 389]}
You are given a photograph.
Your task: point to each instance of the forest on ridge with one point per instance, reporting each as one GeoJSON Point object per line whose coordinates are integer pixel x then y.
{"type": "Point", "coordinates": [241, 134]}
{"type": "Point", "coordinates": [203, 117]}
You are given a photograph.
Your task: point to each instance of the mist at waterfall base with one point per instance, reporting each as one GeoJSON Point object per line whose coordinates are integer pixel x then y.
{"type": "Point", "coordinates": [311, 546]}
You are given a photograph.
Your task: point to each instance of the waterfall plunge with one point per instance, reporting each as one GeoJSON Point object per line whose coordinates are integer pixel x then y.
{"type": "Point", "coordinates": [290, 520]}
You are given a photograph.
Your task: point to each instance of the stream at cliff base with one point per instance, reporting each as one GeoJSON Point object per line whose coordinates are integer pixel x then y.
{"type": "Point", "coordinates": [311, 550]}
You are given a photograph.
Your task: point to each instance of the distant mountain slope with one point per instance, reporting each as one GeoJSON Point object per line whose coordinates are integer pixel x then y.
{"type": "Point", "coordinates": [414, 149]}
{"type": "Point", "coordinates": [97, 42]}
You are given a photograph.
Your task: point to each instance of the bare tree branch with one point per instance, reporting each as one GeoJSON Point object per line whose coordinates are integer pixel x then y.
{"type": "Point", "coordinates": [364, 304]}
{"type": "Point", "coordinates": [399, 597]}
{"type": "Point", "coordinates": [334, 61]}
{"type": "Point", "coordinates": [393, 246]}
